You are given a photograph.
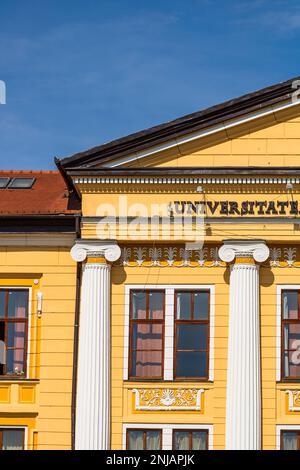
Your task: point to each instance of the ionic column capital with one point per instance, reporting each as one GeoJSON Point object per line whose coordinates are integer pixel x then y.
{"type": "Point", "coordinates": [233, 249]}
{"type": "Point", "coordinates": [83, 249]}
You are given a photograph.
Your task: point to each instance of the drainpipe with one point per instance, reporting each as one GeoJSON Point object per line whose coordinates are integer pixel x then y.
{"type": "Point", "coordinates": [76, 335]}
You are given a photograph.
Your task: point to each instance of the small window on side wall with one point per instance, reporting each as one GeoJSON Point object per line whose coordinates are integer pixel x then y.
{"type": "Point", "coordinates": [13, 331]}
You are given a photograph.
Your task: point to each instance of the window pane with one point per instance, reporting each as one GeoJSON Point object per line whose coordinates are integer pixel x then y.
{"type": "Point", "coordinates": [292, 363]}
{"type": "Point", "coordinates": [146, 364]}
{"type": "Point", "coordinates": [184, 305]}
{"type": "Point", "coordinates": [21, 183]}
{"type": "Point", "coordinates": [16, 335]}
{"type": "Point", "coordinates": [199, 440]}
{"type": "Point", "coordinates": [201, 305]}
{"type": "Point", "coordinates": [192, 336]}
{"type": "Point", "coordinates": [3, 182]}
{"type": "Point", "coordinates": [289, 441]}
{"type": "Point", "coordinates": [156, 305]}
{"type": "Point", "coordinates": [17, 304]}
{"type": "Point", "coordinates": [2, 347]}
{"type": "Point", "coordinates": [135, 440]}
{"type": "Point", "coordinates": [191, 364]}
{"type": "Point", "coordinates": [12, 439]}
{"type": "Point", "coordinates": [147, 336]}
{"type": "Point", "coordinates": [292, 336]}
{"type": "Point", "coordinates": [153, 440]}
{"type": "Point", "coordinates": [15, 348]}
{"type": "Point", "coordinates": [181, 440]}
{"type": "Point", "coordinates": [2, 303]}
{"type": "Point", "coordinates": [290, 305]}
{"type": "Point", "coordinates": [138, 305]}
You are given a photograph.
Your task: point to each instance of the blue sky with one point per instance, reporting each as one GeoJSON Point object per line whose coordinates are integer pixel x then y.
{"type": "Point", "coordinates": [83, 72]}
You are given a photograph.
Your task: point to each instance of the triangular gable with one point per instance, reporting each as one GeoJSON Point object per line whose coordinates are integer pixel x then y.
{"type": "Point", "coordinates": [169, 143]}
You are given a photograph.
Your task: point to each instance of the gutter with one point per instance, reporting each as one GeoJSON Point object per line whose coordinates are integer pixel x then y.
{"type": "Point", "coordinates": [71, 187]}
{"type": "Point", "coordinates": [76, 337]}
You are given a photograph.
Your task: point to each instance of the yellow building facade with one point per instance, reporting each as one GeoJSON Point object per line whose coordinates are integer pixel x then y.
{"type": "Point", "coordinates": [37, 310]}
{"type": "Point", "coordinates": [186, 333]}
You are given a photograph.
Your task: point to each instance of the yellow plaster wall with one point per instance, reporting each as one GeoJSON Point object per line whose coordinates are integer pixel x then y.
{"type": "Point", "coordinates": [43, 404]}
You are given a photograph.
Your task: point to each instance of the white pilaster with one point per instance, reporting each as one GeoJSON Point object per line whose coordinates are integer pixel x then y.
{"type": "Point", "coordinates": [243, 407]}
{"type": "Point", "coordinates": [93, 374]}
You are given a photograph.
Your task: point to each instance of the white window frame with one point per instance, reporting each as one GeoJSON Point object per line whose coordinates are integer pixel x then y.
{"type": "Point", "coordinates": [28, 324]}
{"type": "Point", "coordinates": [23, 428]}
{"type": "Point", "coordinates": [284, 427]}
{"type": "Point", "coordinates": [280, 288]}
{"type": "Point", "coordinates": [169, 324]}
{"type": "Point", "coordinates": [167, 432]}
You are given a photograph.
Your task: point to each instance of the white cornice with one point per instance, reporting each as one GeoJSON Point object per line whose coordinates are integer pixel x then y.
{"type": "Point", "coordinates": [169, 180]}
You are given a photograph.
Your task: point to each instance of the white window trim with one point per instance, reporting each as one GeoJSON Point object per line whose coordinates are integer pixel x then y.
{"type": "Point", "coordinates": [23, 428]}
{"type": "Point", "coordinates": [284, 427]}
{"type": "Point", "coordinates": [167, 432]}
{"type": "Point", "coordinates": [280, 288]}
{"type": "Point", "coordinates": [169, 324]}
{"type": "Point", "coordinates": [29, 320]}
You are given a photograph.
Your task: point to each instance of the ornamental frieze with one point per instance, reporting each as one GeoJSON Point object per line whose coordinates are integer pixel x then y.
{"type": "Point", "coordinates": [294, 400]}
{"type": "Point", "coordinates": [168, 399]}
{"type": "Point", "coordinates": [179, 257]}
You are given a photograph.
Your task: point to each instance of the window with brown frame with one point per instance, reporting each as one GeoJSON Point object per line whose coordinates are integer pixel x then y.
{"type": "Point", "coordinates": [143, 439]}
{"type": "Point", "coordinates": [290, 335]}
{"type": "Point", "coordinates": [11, 439]}
{"type": "Point", "coordinates": [187, 439]}
{"type": "Point", "coordinates": [146, 346]}
{"type": "Point", "coordinates": [13, 331]}
{"type": "Point", "coordinates": [290, 440]}
{"type": "Point", "coordinates": [191, 335]}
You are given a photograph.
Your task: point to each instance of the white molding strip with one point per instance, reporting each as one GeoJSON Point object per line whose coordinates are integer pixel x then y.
{"type": "Point", "coordinates": [167, 432]}
{"type": "Point", "coordinates": [279, 289]}
{"type": "Point", "coordinates": [168, 180]}
{"type": "Point", "coordinates": [200, 134]}
{"type": "Point", "coordinates": [41, 239]}
{"type": "Point", "coordinates": [284, 427]}
{"type": "Point", "coordinates": [169, 324]}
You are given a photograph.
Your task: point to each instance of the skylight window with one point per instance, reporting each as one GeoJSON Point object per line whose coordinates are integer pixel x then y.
{"type": "Point", "coordinates": [21, 183]}
{"type": "Point", "coordinates": [4, 182]}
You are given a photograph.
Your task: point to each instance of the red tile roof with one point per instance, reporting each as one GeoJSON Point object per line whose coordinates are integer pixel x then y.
{"type": "Point", "coordinates": [49, 195]}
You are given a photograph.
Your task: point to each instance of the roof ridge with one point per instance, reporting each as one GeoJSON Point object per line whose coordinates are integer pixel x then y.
{"type": "Point", "coordinates": [36, 172]}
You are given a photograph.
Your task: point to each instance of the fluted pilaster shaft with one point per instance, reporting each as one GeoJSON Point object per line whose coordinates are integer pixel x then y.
{"type": "Point", "coordinates": [93, 379]}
